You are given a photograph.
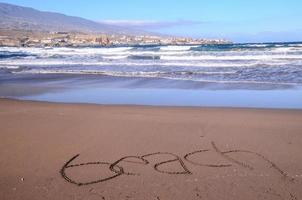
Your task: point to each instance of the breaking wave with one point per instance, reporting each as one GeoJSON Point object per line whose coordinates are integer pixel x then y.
{"type": "Point", "coordinates": [259, 63]}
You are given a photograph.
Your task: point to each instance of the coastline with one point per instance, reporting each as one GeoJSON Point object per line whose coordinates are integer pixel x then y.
{"type": "Point", "coordinates": [228, 153]}
{"type": "Point", "coordinates": [17, 100]}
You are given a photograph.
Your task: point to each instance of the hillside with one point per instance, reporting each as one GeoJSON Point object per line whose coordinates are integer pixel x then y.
{"type": "Point", "coordinates": [14, 17]}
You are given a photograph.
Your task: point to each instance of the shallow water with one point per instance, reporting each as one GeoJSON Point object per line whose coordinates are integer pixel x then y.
{"type": "Point", "coordinates": [142, 91]}
{"type": "Point", "coordinates": [177, 97]}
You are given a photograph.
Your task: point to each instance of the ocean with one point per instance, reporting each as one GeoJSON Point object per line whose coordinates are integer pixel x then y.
{"type": "Point", "coordinates": [262, 67]}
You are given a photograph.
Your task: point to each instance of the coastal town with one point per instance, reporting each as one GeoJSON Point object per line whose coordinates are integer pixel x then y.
{"type": "Point", "coordinates": [76, 39]}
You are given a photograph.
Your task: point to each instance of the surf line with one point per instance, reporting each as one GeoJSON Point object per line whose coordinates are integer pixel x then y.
{"type": "Point", "coordinates": [117, 170]}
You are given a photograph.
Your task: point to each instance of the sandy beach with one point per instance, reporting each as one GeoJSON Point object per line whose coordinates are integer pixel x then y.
{"type": "Point", "coordinates": [86, 151]}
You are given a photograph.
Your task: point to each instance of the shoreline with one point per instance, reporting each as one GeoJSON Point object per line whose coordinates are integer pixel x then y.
{"type": "Point", "coordinates": [148, 91]}
{"type": "Point", "coordinates": [146, 106]}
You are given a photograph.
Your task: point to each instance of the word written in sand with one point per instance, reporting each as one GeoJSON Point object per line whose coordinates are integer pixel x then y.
{"type": "Point", "coordinates": [117, 170]}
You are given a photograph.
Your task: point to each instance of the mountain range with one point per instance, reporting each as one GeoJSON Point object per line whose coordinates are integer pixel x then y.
{"type": "Point", "coordinates": [13, 17]}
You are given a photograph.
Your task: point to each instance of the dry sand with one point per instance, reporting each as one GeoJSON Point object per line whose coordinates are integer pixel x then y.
{"type": "Point", "coordinates": [175, 153]}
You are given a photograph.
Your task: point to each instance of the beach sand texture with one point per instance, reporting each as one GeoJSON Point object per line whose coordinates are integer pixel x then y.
{"type": "Point", "coordinates": [81, 151]}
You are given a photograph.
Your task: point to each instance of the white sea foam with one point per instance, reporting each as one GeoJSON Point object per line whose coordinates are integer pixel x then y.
{"type": "Point", "coordinates": [157, 74]}
{"type": "Point", "coordinates": [176, 48]}
{"type": "Point", "coordinates": [257, 45]}
{"type": "Point", "coordinates": [67, 51]}
{"type": "Point", "coordinates": [115, 57]}
{"type": "Point", "coordinates": [234, 57]}
{"type": "Point", "coordinates": [125, 74]}
{"type": "Point", "coordinates": [9, 67]}
{"type": "Point", "coordinates": [286, 49]}
{"type": "Point", "coordinates": [142, 63]}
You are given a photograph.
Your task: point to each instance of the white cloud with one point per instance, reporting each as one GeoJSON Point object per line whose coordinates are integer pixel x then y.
{"type": "Point", "coordinates": [150, 24]}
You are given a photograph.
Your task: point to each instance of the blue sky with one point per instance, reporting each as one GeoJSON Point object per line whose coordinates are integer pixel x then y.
{"type": "Point", "coordinates": [238, 20]}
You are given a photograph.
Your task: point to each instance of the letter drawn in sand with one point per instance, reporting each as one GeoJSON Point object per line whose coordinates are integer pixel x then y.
{"type": "Point", "coordinates": [118, 171]}
{"type": "Point", "coordinates": [176, 160]}
{"type": "Point", "coordinates": [141, 161]}
{"type": "Point", "coordinates": [271, 163]}
{"type": "Point", "coordinates": [186, 157]}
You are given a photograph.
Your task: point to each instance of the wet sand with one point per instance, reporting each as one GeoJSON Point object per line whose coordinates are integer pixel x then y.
{"type": "Point", "coordinates": [109, 90]}
{"type": "Point", "coordinates": [85, 151]}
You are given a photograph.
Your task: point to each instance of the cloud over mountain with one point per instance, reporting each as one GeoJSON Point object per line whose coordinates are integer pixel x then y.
{"type": "Point", "coordinates": [150, 24]}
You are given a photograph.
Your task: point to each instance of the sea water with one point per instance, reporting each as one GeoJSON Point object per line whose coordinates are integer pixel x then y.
{"type": "Point", "coordinates": [195, 75]}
